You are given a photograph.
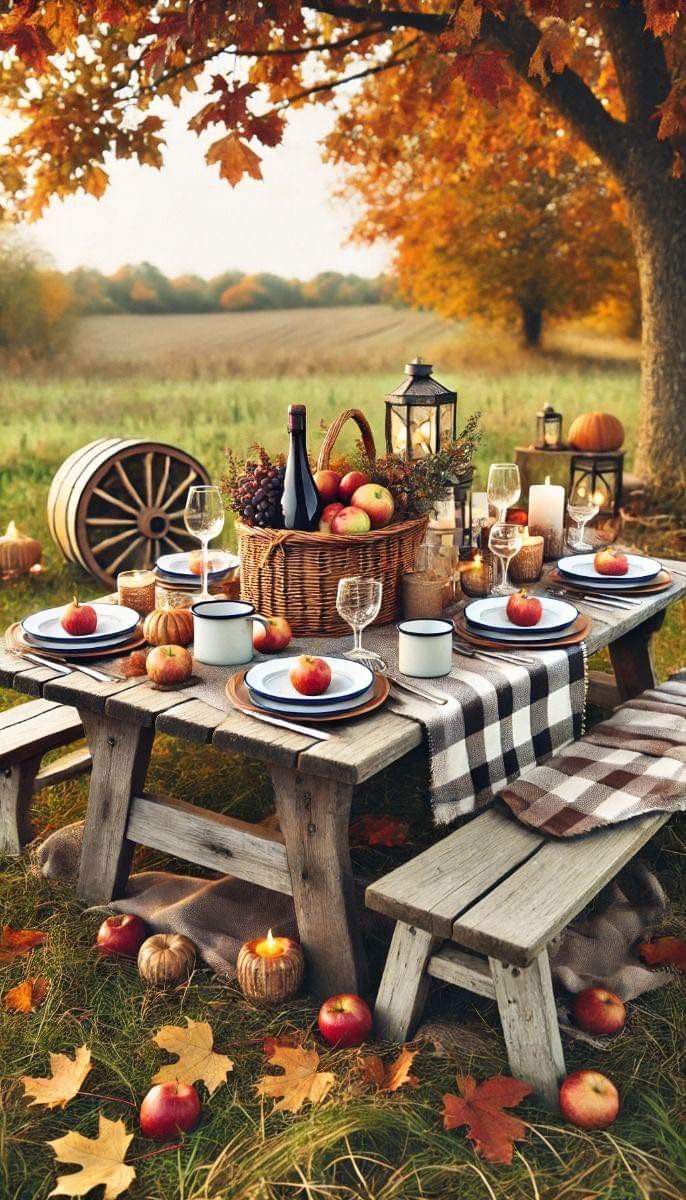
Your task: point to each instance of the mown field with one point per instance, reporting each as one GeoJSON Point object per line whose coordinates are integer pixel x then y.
{"type": "Point", "coordinates": [352, 1147]}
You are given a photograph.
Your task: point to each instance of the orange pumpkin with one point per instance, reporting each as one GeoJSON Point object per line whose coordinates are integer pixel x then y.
{"type": "Point", "coordinates": [169, 627]}
{"type": "Point", "coordinates": [597, 432]}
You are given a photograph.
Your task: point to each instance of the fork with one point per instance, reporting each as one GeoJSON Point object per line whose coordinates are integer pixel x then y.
{"type": "Point", "coordinates": [505, 656]}
{"type": "Point", "coordinates": [381, 668]}
{"type": "Point", "coordinates": [602, 601]}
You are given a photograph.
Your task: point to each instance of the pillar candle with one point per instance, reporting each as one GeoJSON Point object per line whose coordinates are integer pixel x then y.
{"type": "Point", "coordinates": [547, 516]}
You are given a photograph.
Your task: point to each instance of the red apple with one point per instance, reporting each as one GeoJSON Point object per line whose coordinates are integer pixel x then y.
{"type": "Point", "coordinates": [275, 637]}
{"type": "Point", "coordinates": [589, 1100]}
{"type": "Point", "coordinates": [517, 516]}
{"type": "Point", "coordinates": [345, 1020]}
{"type": "Point", "coordinates": [523, 609]}
{"type": "Point", "coordinates": [327, 484]}
{"type": "Point", "coordinates": [328, 514]}
{"type": "Point", "coordinates": [310, 676]}
{"type": "Point", "coordinates": [610, 562]}
{"type": "Point", "coordinates": [376, 501]}
{"type": "Point", "coordinates": [79, 619]}
{"type": "Point", "coordinates": [349, 484]}
{"type": "Point", "coordinates": [351, 521]}
{"type": "Point", "coordinates": [169, 665]}
{"type": "Point", "coordinates": [598, 1011]}
{"type": "Point", "coordinates": [214, 562]}
{"type": "Point", "coordinates": [122, 934]}
{"type": "Point", "coordinates": [168, 1110]}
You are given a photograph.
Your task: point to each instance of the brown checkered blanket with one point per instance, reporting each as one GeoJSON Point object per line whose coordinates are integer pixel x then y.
{"type": "Point", "coordinates": [628, 766]}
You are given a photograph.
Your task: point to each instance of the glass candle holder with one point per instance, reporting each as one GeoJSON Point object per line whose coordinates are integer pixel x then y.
{"type": "Point", "coordinates": [526, 567]}
{"type": "Point", "coordinates": [136, 590]}
{"type": "Point", "coordinates": [424, 595]}
{"type": "Point", "coordinates": [476, 575]}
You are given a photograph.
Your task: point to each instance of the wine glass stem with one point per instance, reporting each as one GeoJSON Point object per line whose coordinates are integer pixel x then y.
{"type": "Point", "coordinates": [357, 637]}
{"type": "Point", "coordinates": [205, 593]}
{"type": "Point", "coordinates": [506, 567]}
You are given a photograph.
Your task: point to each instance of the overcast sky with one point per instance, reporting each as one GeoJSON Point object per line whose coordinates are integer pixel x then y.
{"type": "Point", "coordinates": [185, 219]}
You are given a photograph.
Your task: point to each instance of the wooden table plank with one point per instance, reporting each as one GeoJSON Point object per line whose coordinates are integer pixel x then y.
{"type": "Point", "coordinates": [141, 705]}
{"type": "Point", "coordinates": [82, 691]}
{"type": "Point", "coordinates": [238, 733]}
{"type": "Point", "coordinates": [194, 721]}
{"type": "Point", "coordinates": [361, 749]}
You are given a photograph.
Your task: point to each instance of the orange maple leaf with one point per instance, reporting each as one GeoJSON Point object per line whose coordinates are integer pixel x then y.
{"type": "Point", "coordinates": [15, 942]}
{"type": "Point", "coordinates": [480, 1107]}
{"type": "Point", "coordinates": [235, 159]}
{"type": "Point", "coordinates": [380, 831]}
{"type": "Point", "coordinates": [555, 46]}
{"type": "Point", "coordinates": [27, 996]}
{"type": "Point", "coordinates": [662, 16]}
{"type": "Point", "coordinates": [301, 1080]}
{"type": "Point", "coordinates": [388, 1078]}
{"type": "Point", "coordinates": [667, 950]}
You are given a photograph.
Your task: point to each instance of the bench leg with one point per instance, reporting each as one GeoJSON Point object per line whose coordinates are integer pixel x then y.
{"type": "Point", "coordinates": [532, 1036]}
{"type": "Point", "coordinates": [405, 983]}
{"type": "Point", "coordinates": [16, 791]}
{"type": "Point", "coordinates": [632, 660]}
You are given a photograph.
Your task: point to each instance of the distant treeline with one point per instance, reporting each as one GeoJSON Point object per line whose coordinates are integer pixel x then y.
{"type": "Point", "coordinates": [145, 289]}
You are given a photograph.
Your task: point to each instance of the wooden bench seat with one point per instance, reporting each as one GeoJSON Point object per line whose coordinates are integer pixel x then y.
{"type": "Point", "coordinates": [27, 732]}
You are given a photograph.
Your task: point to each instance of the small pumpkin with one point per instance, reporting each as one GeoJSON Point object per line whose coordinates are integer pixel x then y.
{"type": "Point", "coordinates": [166, 958]}
{"type": "Point", "coordinates": [596, 432]}
{"type": "Point", "coordinates": [169, 627]}
{"type": "Point", "coordinates": [18, 552]}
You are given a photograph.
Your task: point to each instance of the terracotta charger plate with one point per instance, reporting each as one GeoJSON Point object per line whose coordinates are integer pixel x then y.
{"type": "Point", "coordinates": [16, 640]}
{"type": "Point", "coordinates": [662, 581]}
{"type": "Point", "coordinates": [579, 630]}
{"type": "Point", "coordinates": [239, 696]}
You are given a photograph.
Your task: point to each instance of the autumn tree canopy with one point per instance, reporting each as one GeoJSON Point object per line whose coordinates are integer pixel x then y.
{"type": "Point", "coordinates": [84, 78]}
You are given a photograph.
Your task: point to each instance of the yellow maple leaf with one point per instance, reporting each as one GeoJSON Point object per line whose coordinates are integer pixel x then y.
{"type": "Point", "coordinates": [101, 1160]}
{"type": "Point", "coordinates": [63, 1083]}
{"type": "Point", "coordinates": [27, 996]}
{"type": "Point", "coordinates": [389, 1078]}
{"type": "Point", "coordinates": [235, 159]}
{"type": "Point", "coordinates": [300, 1081]}
{"type": "Point", "coordinates": [196, 1058]}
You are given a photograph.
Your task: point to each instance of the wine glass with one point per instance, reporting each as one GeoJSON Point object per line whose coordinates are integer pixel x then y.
{"type": "Point", "coordinates": [505, 541]}
{"type": "Point", "coordinates": [358, 601]}
{"type": "Point", "coordinates": [204, 519]}
{"type": "Point", "coordinates": [582, 506]}
{"type": "Point", "coordinates": [504, 487]}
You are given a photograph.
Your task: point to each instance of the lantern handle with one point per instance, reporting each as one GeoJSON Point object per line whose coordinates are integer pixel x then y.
{"type": "Point", "coordinates": [350, 414]}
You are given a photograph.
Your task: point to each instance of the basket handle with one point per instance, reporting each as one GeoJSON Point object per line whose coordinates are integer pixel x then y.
{"type": "Point", "coordinates": [350, 414]}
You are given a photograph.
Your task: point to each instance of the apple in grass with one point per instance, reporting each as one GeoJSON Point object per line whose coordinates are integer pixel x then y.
{"type": "Point", "coordinates": [345, 1020]}
{"type": "Point", "coordinates": [349, 485]}
{"type": "Point", "coordinates": [589, 1100]}
{"type": "Point", "coordinates": [351, 521]}
{"type": "Point", "coordinates": [309, 675]}
{"type": "Point", "coordinates": [122, 934]}
{"type": "Point", "coordinates": [79, 619]}
{"type": "Point", "coordinates": [327, 484]}
{"type": "Point", "coordinates": [523, 609]}
{"type": "Point", "coordinates": [328, 514]}
{"type": "Point", "coordinates": [168, 665]}
{"type": "Point", "coordinates": [168, 1110]}
{"type": "Point", "coordinates": [596, 1010]}
{"type": "Point", "coordinates": [376, 501]}
{"type": "Point", "coordinates": [275, 637]}
{"type": "Point", "coordinates": [610, 562]}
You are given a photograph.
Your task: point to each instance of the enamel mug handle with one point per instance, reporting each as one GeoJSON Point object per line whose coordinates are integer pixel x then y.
{"type": "Point", "coordinates": [263, 621]}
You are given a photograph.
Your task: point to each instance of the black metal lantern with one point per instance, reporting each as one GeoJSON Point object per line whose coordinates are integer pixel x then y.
{"type": "Point", "coordinates": [548, 429]}
{"type": "Point", "coordinates": [421, 414]}
{"type": "Point", "coordinates": [600, 476]}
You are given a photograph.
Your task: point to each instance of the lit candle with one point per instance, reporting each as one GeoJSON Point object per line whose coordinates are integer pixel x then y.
{"type": "Point", "coordinates": [136, 590]}
{"type": "Point", "coordinates": [270, 970]}
{"type": "Point", "coordinates": [475, 576]}
{"type": "Point", "coordinates": [546, 516]}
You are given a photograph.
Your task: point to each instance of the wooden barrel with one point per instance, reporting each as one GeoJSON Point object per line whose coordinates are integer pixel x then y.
{"type": "Point", "coordinates": [117, 504]}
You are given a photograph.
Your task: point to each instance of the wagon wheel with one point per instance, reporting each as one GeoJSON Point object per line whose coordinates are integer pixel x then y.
{"type": "Point", "coordinates": [131, 509]}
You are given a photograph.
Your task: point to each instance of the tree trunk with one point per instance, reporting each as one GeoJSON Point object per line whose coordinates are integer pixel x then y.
{"type": "Point", "coordinates": [532, 325]}
{"type": "Point", "coordinates": [657, 210]}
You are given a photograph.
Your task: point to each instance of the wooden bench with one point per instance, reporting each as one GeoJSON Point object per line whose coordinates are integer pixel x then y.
{"type": "Point", "coordinates": [27, 732]}
{"type": "Point", "coordinates": [478, 910]}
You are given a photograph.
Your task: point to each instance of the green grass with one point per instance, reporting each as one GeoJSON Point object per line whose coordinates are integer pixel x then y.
{"type": "Point", "coordinates": [392, 1148]}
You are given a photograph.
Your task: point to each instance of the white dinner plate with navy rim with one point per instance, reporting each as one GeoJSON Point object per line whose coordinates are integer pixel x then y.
{"type": "Point", "coordinates": [491, 616]}
{"type": "Point", "coordinates": [580, 567]}
{"type": "Point", "coordinates": [270, 681]}
{"type": "Point", "coordinates": [175, 566]}
{"type": "Point", "coordinates": [71, 648]}
{"type": "Point", "coordinates": [315, 710]}
{"type": "Point", "coordinates": [113, 619]}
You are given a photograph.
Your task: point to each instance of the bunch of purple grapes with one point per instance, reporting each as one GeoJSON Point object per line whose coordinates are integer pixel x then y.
{"type": "Point", "coordinates": [256, 495]}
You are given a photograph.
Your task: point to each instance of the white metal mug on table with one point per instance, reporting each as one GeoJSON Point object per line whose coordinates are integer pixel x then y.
{"type": "Point", "coordinates": [425, 647]}
{"type": "Point", "coordinates": [223, 632]}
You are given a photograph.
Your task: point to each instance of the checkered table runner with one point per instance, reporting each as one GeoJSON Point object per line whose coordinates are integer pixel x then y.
{"type": "Point", "coordinates": [628, 766]}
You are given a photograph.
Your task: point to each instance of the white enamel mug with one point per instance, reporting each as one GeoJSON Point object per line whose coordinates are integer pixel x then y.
{"type": "Point", "coordinates": [425, 648]}
{"type": "Point", "coordinates": [223, 632]}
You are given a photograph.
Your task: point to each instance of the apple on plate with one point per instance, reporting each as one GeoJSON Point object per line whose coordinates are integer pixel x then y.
{"type": "Point", "coordinates": [123, 934]}
{"type": "Point", "coordinates": [523, 609]}
{"type": "Point", "coordinates": [215, 562]}
{"type": "Point", "coordinates": [309, 675]}
{"type": "Point", "coordinates": [589, 1100]}
{"type": "Point", "coordinates": [168, 665]}
{"type": "Point", "coordinates": [79, 619]}
{"type": "Point", "coordinates": [345, 1020]}
{"type": "Point", "coordinates": [349, 485]}
{"type": "Point", "coordinates": [351, 520]}
{"type": "Point", "coordinates": [328, 514]}
{"type": "Point", "coordinates": [327, 484]}
{"type": "Point", "coordinates": [596, 1010]}
{"type": "Point", "coordinates": [275, 637]}
{"type": "Point", "coordinates": [610, 562]}
{"type": "Point", "coordinates": [168, 1110]}
{"type": "Point", "coordinates": [376, 501]}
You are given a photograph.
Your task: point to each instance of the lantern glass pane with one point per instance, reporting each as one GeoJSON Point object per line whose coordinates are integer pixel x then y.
{"type": "Point", "coordinates": [399, 430]}
{"type": "Point", "coordinates": [446, 423]}
{"type": "Point", "coordinates": [423, 430]}
{"type": "Point", "coordinates": [553, 430]}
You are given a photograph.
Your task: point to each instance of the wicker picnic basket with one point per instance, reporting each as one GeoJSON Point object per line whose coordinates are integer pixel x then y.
{"type": "Point", "coordinates": [286, 573]}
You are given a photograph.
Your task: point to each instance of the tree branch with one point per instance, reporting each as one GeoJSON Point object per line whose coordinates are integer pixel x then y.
{"type": "Point", "coordinates": [329, 86]}
{"type": "Point", "coordinates": [639, 60]}
{"type": "Point", "coordinates": [388, 18]}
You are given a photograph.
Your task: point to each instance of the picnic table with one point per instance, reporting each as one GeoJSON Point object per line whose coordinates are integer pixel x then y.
{"type": "Point", "coordinates": [313, 785]}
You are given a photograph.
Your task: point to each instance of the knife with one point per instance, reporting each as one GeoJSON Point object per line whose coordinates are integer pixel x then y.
{"type": "Point", "coordinates": [318, 734]}
{"type": "Point", "coordinates": [66, 668]}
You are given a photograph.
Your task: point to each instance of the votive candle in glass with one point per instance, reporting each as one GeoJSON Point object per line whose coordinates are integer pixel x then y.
{"type": "Point", "coordinates": [475, 574]}
{"type": "Point", "coordinates": [527, 565]}
{"type": "Point", "coordinates": [136, 590]}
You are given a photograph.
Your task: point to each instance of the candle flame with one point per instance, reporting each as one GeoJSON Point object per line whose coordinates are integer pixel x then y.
{"type": "Point", "coordinates": [271, 942]}
{"type": "Point", "coordinates": [477, 560]}
{"type": "Point", "coordinates": [12, 530]}
{"type": "Point", "coordinates": [547, 481]}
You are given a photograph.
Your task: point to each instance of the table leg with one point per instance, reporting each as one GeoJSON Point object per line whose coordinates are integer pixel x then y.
{"type": "Point", "coordinates": [121, 752]}
{"type": "Point", "coordinates": [314, 816]}
{"type": "Point", "coordinates": [631, 657]}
